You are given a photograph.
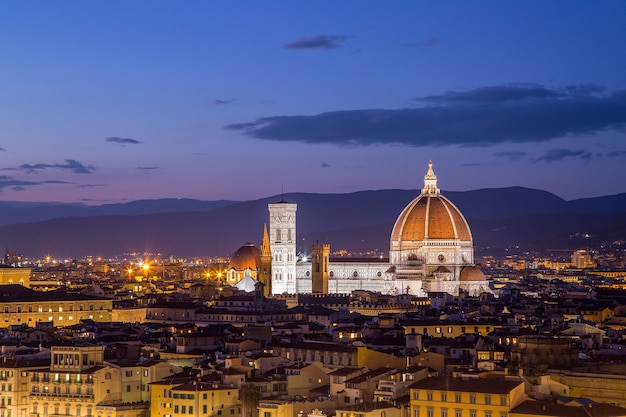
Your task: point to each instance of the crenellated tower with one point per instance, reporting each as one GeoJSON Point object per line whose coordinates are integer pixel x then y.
{"type": "Point", "coordinates": [320, 259]}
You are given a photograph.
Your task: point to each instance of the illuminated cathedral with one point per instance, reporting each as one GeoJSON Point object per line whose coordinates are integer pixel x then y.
{"type": "Point", "coordinates": [430, 250]}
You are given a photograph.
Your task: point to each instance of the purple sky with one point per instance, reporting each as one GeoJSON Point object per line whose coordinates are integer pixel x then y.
{"type": "Point", "coordinates": [109, 101]}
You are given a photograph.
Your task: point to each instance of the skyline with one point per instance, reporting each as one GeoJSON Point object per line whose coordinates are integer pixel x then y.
{"type": "Point", "coordinates": [113, 102]}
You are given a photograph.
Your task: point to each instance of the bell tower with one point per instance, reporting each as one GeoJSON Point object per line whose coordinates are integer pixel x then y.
{"type": "Point", "coordinates": [265, 263]}
{"type": "Point", "coordinates": [282, 236]}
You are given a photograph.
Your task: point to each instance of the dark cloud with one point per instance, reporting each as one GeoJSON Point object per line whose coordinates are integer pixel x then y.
{"type": "Point", "coordinates": [220, 102]}
{"type": "Point", "coordinates": [426, 43]}
{"type": "Point", "coordinates": [2, 149]}
{"type": "Point", "coordinates": [325, 165]}
{"type": "Point", "coordinates": [553, 155]}
{"type": "Point", "coordinates": [70, 165]}
{"type": "Point", "coordinates": [495, 94]}
{"type": "Point", "coordinates": [147, 168]}
{"type": "Point", "coordinates": [19, 185]}
{"type": "Point", "coordinates": [90, 185]}
{"type": "Point", "coordinates": [123, 141]}
{"type": "Point", "coordinates": [616, 154]}
{"type": "Point", "coordinates": [512, 155]}
{"type": "Point", "coordinates": [482, 117]}
{"type": "Point", "coordinates": [317, 42]}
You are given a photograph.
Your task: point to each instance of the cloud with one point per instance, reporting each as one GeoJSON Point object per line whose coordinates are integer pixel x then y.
{"type": "Point", "coordinates": [90, 185]}
{"type": "Point", "coordinates": [512, 155]}
{"type": "Point", "coordinates": [70, 165]}
{"type": "Point", "coordinates": [616, 154]}
{"type": "Point", "coordinates": [553, 155]}
{"type": "Point", "coordinates": [325, 165]}
{"type": "Point", "coordinates": [494, 94]}
{"type": "Point", "coordinates": [147, 168]}
{"type": "Point", "coordinates": [19, 185]}
{"type": "Point", "coordinates": [485, 116]}
{"type": "Point", "coordinates": [426, 43]}
{"type": "Point", "coordinates": [2, 149]}
{"type": "Point", "coordinates": [219, 102]}
{"type": "Point", "coordinates": [123, 141]}
{"type": "Point", "coordinates": [317, 42]}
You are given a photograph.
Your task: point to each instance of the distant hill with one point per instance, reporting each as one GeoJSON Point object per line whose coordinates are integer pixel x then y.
{"type": "Point", "coordinates": [500, 218]}
{"type": "Point", "coordinates": [21, 212]}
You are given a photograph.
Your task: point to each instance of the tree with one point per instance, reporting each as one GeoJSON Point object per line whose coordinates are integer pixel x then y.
{"type": "Point", "coordinates": [250, 396]}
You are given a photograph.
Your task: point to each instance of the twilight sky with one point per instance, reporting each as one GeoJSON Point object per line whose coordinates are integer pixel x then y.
{"type": "Point", "coordinates": [111, 101]}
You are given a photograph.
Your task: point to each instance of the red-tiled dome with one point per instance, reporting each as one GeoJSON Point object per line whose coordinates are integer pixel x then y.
{"type": "Point", "coordinates": [430, 217]}
{"type": "Point", "coordinates": [472, 273]}
{"type": "Point", "coordinates": [246, 256]}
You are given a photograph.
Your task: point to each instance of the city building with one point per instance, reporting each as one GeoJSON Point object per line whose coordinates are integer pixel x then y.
{"type": "Point", "coordinates": [443, 396]}
{"type": "Point", "coordinates": [21, 305]}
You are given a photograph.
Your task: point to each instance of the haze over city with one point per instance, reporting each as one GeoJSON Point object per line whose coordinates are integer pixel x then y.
{"type": "Point", "coordinates": [107, 102]}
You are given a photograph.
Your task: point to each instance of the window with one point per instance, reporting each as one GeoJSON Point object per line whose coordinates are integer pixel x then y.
{"type": "Point", "coordinates": [487, 399]}
{"type": "Point", "coordinates": [444, 396]}
{"type": "Point", "coordinates": [444, 412]}
{"type": "Point", "coordinates": [429, 396]}
{"type": "Point", "coordinates": [416, 412]}
{"type": "Point", "coordinates": [487, 413]}
{"type": "Point", "coordinates": [458, 412]}
{"type": "Point", "coordinates": [472, 398]}
{"type": "Point", "coordinates": [175, 409]}
{"type": "Point", "coordinates": [429, 412]}
{"type": "Point", "coordinates": [457, 397]}
{"type": "Point", "coordinates": [503, 400]}
{"type": "Point", "coordinates": [416, 395]}
{"type": "Point", "coordinates": [472, 413]}
{"type": "Point", "coordinates": [205, 409]}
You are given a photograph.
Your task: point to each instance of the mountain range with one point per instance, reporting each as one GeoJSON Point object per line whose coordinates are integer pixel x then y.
{"type": "Point", "coordinates": [501, 219]}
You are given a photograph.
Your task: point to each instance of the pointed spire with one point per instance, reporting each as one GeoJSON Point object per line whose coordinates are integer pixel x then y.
{"type": "Point", "coordinates": [265, 243]}
{"type": "Point", "coordinates": [430, 181]}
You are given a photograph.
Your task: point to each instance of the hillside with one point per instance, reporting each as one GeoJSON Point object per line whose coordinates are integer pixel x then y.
{"type": "Point", "coordinates": [499, 218]}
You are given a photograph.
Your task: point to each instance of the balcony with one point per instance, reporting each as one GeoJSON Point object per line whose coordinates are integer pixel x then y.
{"type": "Point", "coordinates": [59, 395]}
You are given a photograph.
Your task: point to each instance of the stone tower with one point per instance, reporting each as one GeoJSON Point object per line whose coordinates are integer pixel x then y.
{"type": "Point", "coordinates": [265, 263]}
{"type": "Point", "coordinates": [283, 247]}
{"type": "Point", "coordinates": [320, 257]}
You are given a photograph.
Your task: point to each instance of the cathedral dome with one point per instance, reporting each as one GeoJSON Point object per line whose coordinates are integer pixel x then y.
{"type": "Point", "coordinates": [430, 216]}
{"type": "Point", "coordinates": [472, 273]}
{"type": "Point", "coordinates": [246, 256]}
